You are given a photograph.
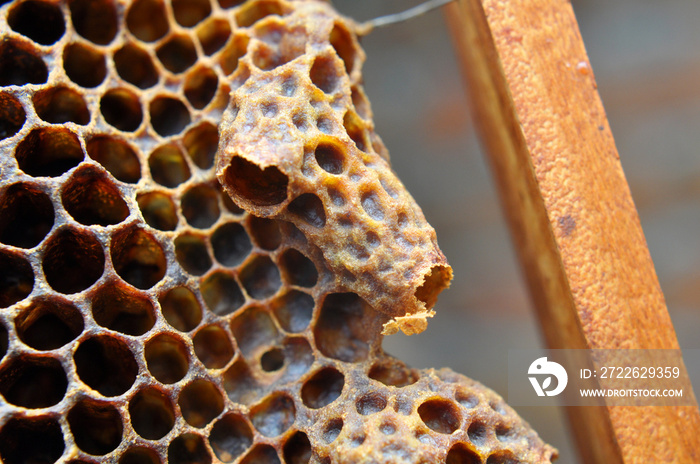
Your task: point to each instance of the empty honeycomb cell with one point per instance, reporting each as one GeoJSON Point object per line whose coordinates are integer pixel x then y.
{"type": "Point", "coordinates": [388, 428]}
{"type": "Point", "coordinates": [38, 20]}
{"type": "Point", "coordinates": [117, 157]}
{"type": "Point", "coordinates": [138, 258]}
{"type": "Point", "coordinates": [147, 20]}
{"type": "Point", "coordinates": [504, 432]}
{"type": "Point", "coordinates": [234, 51]}
{"type": "Point", "coordinates": [158, 210]}
{"type": "Point", "coordinates": [280, 45]}
{"type": "Point", "coordinates": [265, 232]}
{"type": "Point", "coordinates": [354, 128]}
{"type": "Point", "coordinates": [84, 65]}
{"type": "Point", "coordinates": [20, 64]}
{"type": "Point", "coordinates": [119, 307]}
{"type": "Point", "coordinates": [106, 364]}
{"type": "Point", "coordinates": [201, 143]}
{"type": "Point", "coordinates": [325, 125]}
{"type": "Point", "coordinates": [341, 331]}
{"type": "Point", "coordinates": [330, 157]}
{"type": "Point", "coordinates": [392, 373]}
{"type": "Point", "coordinates": [92, 199]}
{"type": "Point", "coordinates": [230, 437]}
{"type": "Point", "coordinates": [188, 448]}
{"type": "Point", "coordinates": [200, 402]}
{"type": "Point", "coordinates": [309, 208]}
{"type": "Point", "coordinates": [213, 34]}
{"type": "Point", "coordinates": [253, 329]}
{"type": "Point", "coordinates": [289, 86]}
{"type": "Point", "coordinates": [440, 415]}
{"type": "Point", "coordinates": [272, 360]}
{"type": "Point", "coordinates": [299, 121]}
{"type": "Point", "coordinates": [260, 278]}
{"type": "Point", "coordinates": [16, 278]}
{"type": "Point", "coordinates": [181, 308]}
{"type": "Point", "coordinates": [121, 108]}
{"type": "Point", "coordinates": [372, 205]}
{"type": "Point", "coordinates": [212, 345]}
{"type": "Point", "coordinates": [95, 20]}
{"type": "Point", "coordinates": [135, 66]}
{"type": "Point", "coordinates": [26, 215]}
{"type": "Point", "coordinates": [139, 455]}
{"type": "Point", "coordinates": [298, 269]}
{"type": "Point", "coordinates": [189, 13]}
{"type": "Point", "coordinates": [191, 252]}
{"type": "Point", "coordinates": [466, 398]}
{"type": "Point", "coordinates": [360, 102]}
{"type": "Point", "coordinates": [96, 426]}
{"type": "Point", "coordinates": [48, 323]}
{"type": "Point", "coordinates": [73, 260]}
{"type": "Point", "coordinates": [231, 244]}
{"type": "Point", "coordinates": [12, 115]}
{"type": "Point", "coordinates": [332, 430]}
{"type": "Point", "coordinates": [336, 197]}
{"type": "Point", "coordinates": [168, 166]}
{"type": "Point", "coordinates": [49, 151]}
{"type": "Point", "coordinates": [370, 403]}
{"type": "Point", "coordinates": [261, 187]}
{"type": "Point", "coordinates": [324, 74]}
{"type": "Point", "coordinates": [169, 116]}
{"type": "Point", "coordinates": [324, 387]}
{"type": "Point", "coordinates": [341, 40]}
{"type": "Point", "coordinates": [461, 454]}
{"type": "Point", "coordinates": [252, 12]}
{"type": "Point", "coordinates": [221, 293]}
{"type": "Point", "coordinates": [33, 382]}
{"type": "Point", "coordinates": [200, 206]}
{"type": "Point", "coordinates": [152, 413]}
{"type": "Point", "coordinates": [36, 439]}
{"type": "Point", "coordinates": [502, 457]}
{"type": "Point", "coordinates": [274, 415]}
{"type": "Point", "coordinates": [61, 104]}
{"type": "Point", "coordinates": [294, 310]}
{"type": "Point", "coordinates": [403, 406]}
{"type": "Point", "coordinates": [167, 358]}
{"type": "Point", "coordinates": [177, 54]}
{"type": "Point", "coordinates": [297, 450]}
{"type": "Point", "coordinates": [261, 454]}
{"type": "Point", "coordinates": [240, 384]}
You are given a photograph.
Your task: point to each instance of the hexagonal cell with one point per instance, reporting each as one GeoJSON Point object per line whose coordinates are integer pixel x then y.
{"type": "Point", "coordinates": [40, 21]}
{"type": "Point", "coordinates": [48, 151]}
{"type": "Point", "coordinates": [297, 450]}
{"type": "Point", "coordinates": [354, 127]}
{"type": "Point", "coordinates": [20, 64]}
{"type": "Point", "coordinates": [117, 157]}
{"type": "Point", "coordinates": [308, 208]}
{"type": "Point", "coordinates": [169, 116]}
{"type": "Point", "coordinates": [16, 278]}
{"type": "Point", "coordinates": [119, 307]}
{"type": "Point", "coordinates": [94, 20]}
{"type": "Point", "coordinates": [298, 269]}
{"type": "Point", "coordinates": [73, 260]}
{"type": "Point", "coordinates": [152, 413]}
{"type": "Point", "coordinates": [213, 34]}
{"type": "Point", "coordinates": [200, 402]}
{"type": "Point", "coordinates": [266, 232]}
{"type": "Point", "coordinates": [332, 430]}
{"type": "Point", "coordinates": [253, 12]}
{"type": "Point", "coordinates": [48, 323]}
{"type": "Point", "coordinates": [92, 199]}
{"type": "Point", "coordinates": [158, 210]}
{"type": "Point", "coordinates": [96, 426]}
{"type": "Point", "coordinates": [190, 12]}
{"type": "Point", "coordinates": [212, 345]}
{"type": "Point", "coordinates": [360, 102]}
{"type": "Point", "coordinates": [181, 308]}
{"type": "Point", "coordinates": [188, 448]}
{"type": "Point", "coordinates": [167, 358]}
{"type": "Point", "coordinates": [236, 48]}
{"type": "Point", "coordinates": [477, 432]}
{"type": "Point", "coordinates": [168, 166]}
{"type": "Point", "coordinates": [201, 143]}
{"type": "Point", "coordinates": [106, 364]}
{"type": "Point", "coordinates": [253, 329]}
{"type": "Point", "coordinates": [373, 206]}
{"type": "Point", "coordinates": [324, 387]}
{"type": "Point", "coordinates": [26, 215]}
{"type": "Point", "coordinates": [177, 53]}
{"type": "Point", "coordinates": [260, 278]}
{"type": "Point", "coordinates": [279, 46]}
{"type": "Point", "coordinates": [231, 244]}
{"type": "Point", "coordinates": [324, 74]}
{"type": "Point", "coordinates": [230, 437]}
{"type": "Point", "coordinates": [191, 252]}
{"type": "Point", "coordinates": [262, 187]}
{"type": "Point", "coordinates": [12, 115]}
{"type": "Point", "coordinates": [466, 398]}
{"type": "Point", "coordinates": [201, 85]}
{"type": "Point", "coordinates": [392, 373]}
{"type": "Point", "coordinates": [341, 40]}
{"type": "Point", "coordinates": [121, 108]}
{"type": "Point", "coordinates": [84, 65]}
{"type": "Point", "coordinates": [440, 415]}
{"type": "Point", "coordinates": [274, 415]}
{"type": "Point", "coordinates": [330, 157]}
{"type": "Point", "coordinates": [342, 328]}
{"type": "Point", "coordinates": [139, 455]}
{"type": "Point", "coordinates": [502, 457]}
{"type": "Point", "coordinates": [293, 310]}
{"type": "Point", "coordinates": [138, 258]}
{"type": "Point", "coordinates": [221, 293]}
{"type": "Point", "coordinates": [370, 403]}
{"type": "Point", "coordinates": [31, 440]}
{"type": "Point", "coordinates": [61, 104]}
{"type": "Point", "coordinates": [240, 384]}
{"type": "Point", "coordinates": [200, 206]}
{"type": "Point", "coordinates": [147, 20]}
{"type": "Point", "coordinates": [33, 382]}
{"type": "Point", "coordinates": [261, 454]}
{"type": "Point", "coordinates": [135, 66]}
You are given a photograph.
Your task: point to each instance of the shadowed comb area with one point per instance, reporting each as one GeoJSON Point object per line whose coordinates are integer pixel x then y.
{"type": "Point", "coordinates": [145, 316]}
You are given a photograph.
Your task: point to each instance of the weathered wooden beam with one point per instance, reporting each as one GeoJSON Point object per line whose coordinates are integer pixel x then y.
{"type": "Point", "coordinates": [570, 210]}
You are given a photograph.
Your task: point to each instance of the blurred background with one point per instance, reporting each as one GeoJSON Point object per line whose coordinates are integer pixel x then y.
{"type": "Point", "coordinates": [645, 57]}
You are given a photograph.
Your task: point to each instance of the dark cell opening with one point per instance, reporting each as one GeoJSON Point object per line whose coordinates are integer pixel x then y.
{"type": "Point", "coordinates": [26, 216]}
{"type": "Point", "coordinates": [106, 365]}
{"type": "Point", "coordinates": [73, 260]}
{"type": "Point", "coordinates": [96, 426]}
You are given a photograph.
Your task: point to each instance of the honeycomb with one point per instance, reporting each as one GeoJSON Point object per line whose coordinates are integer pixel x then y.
{"type": "Point", "coordinates": [147, 316]}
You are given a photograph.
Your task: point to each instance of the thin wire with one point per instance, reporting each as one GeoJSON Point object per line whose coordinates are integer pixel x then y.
{"type": "Point", "coordinates": [417, 10]}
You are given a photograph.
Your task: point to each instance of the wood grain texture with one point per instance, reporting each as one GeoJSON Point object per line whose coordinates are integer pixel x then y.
{"type": "Point", "coordinates": [570, 210]}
